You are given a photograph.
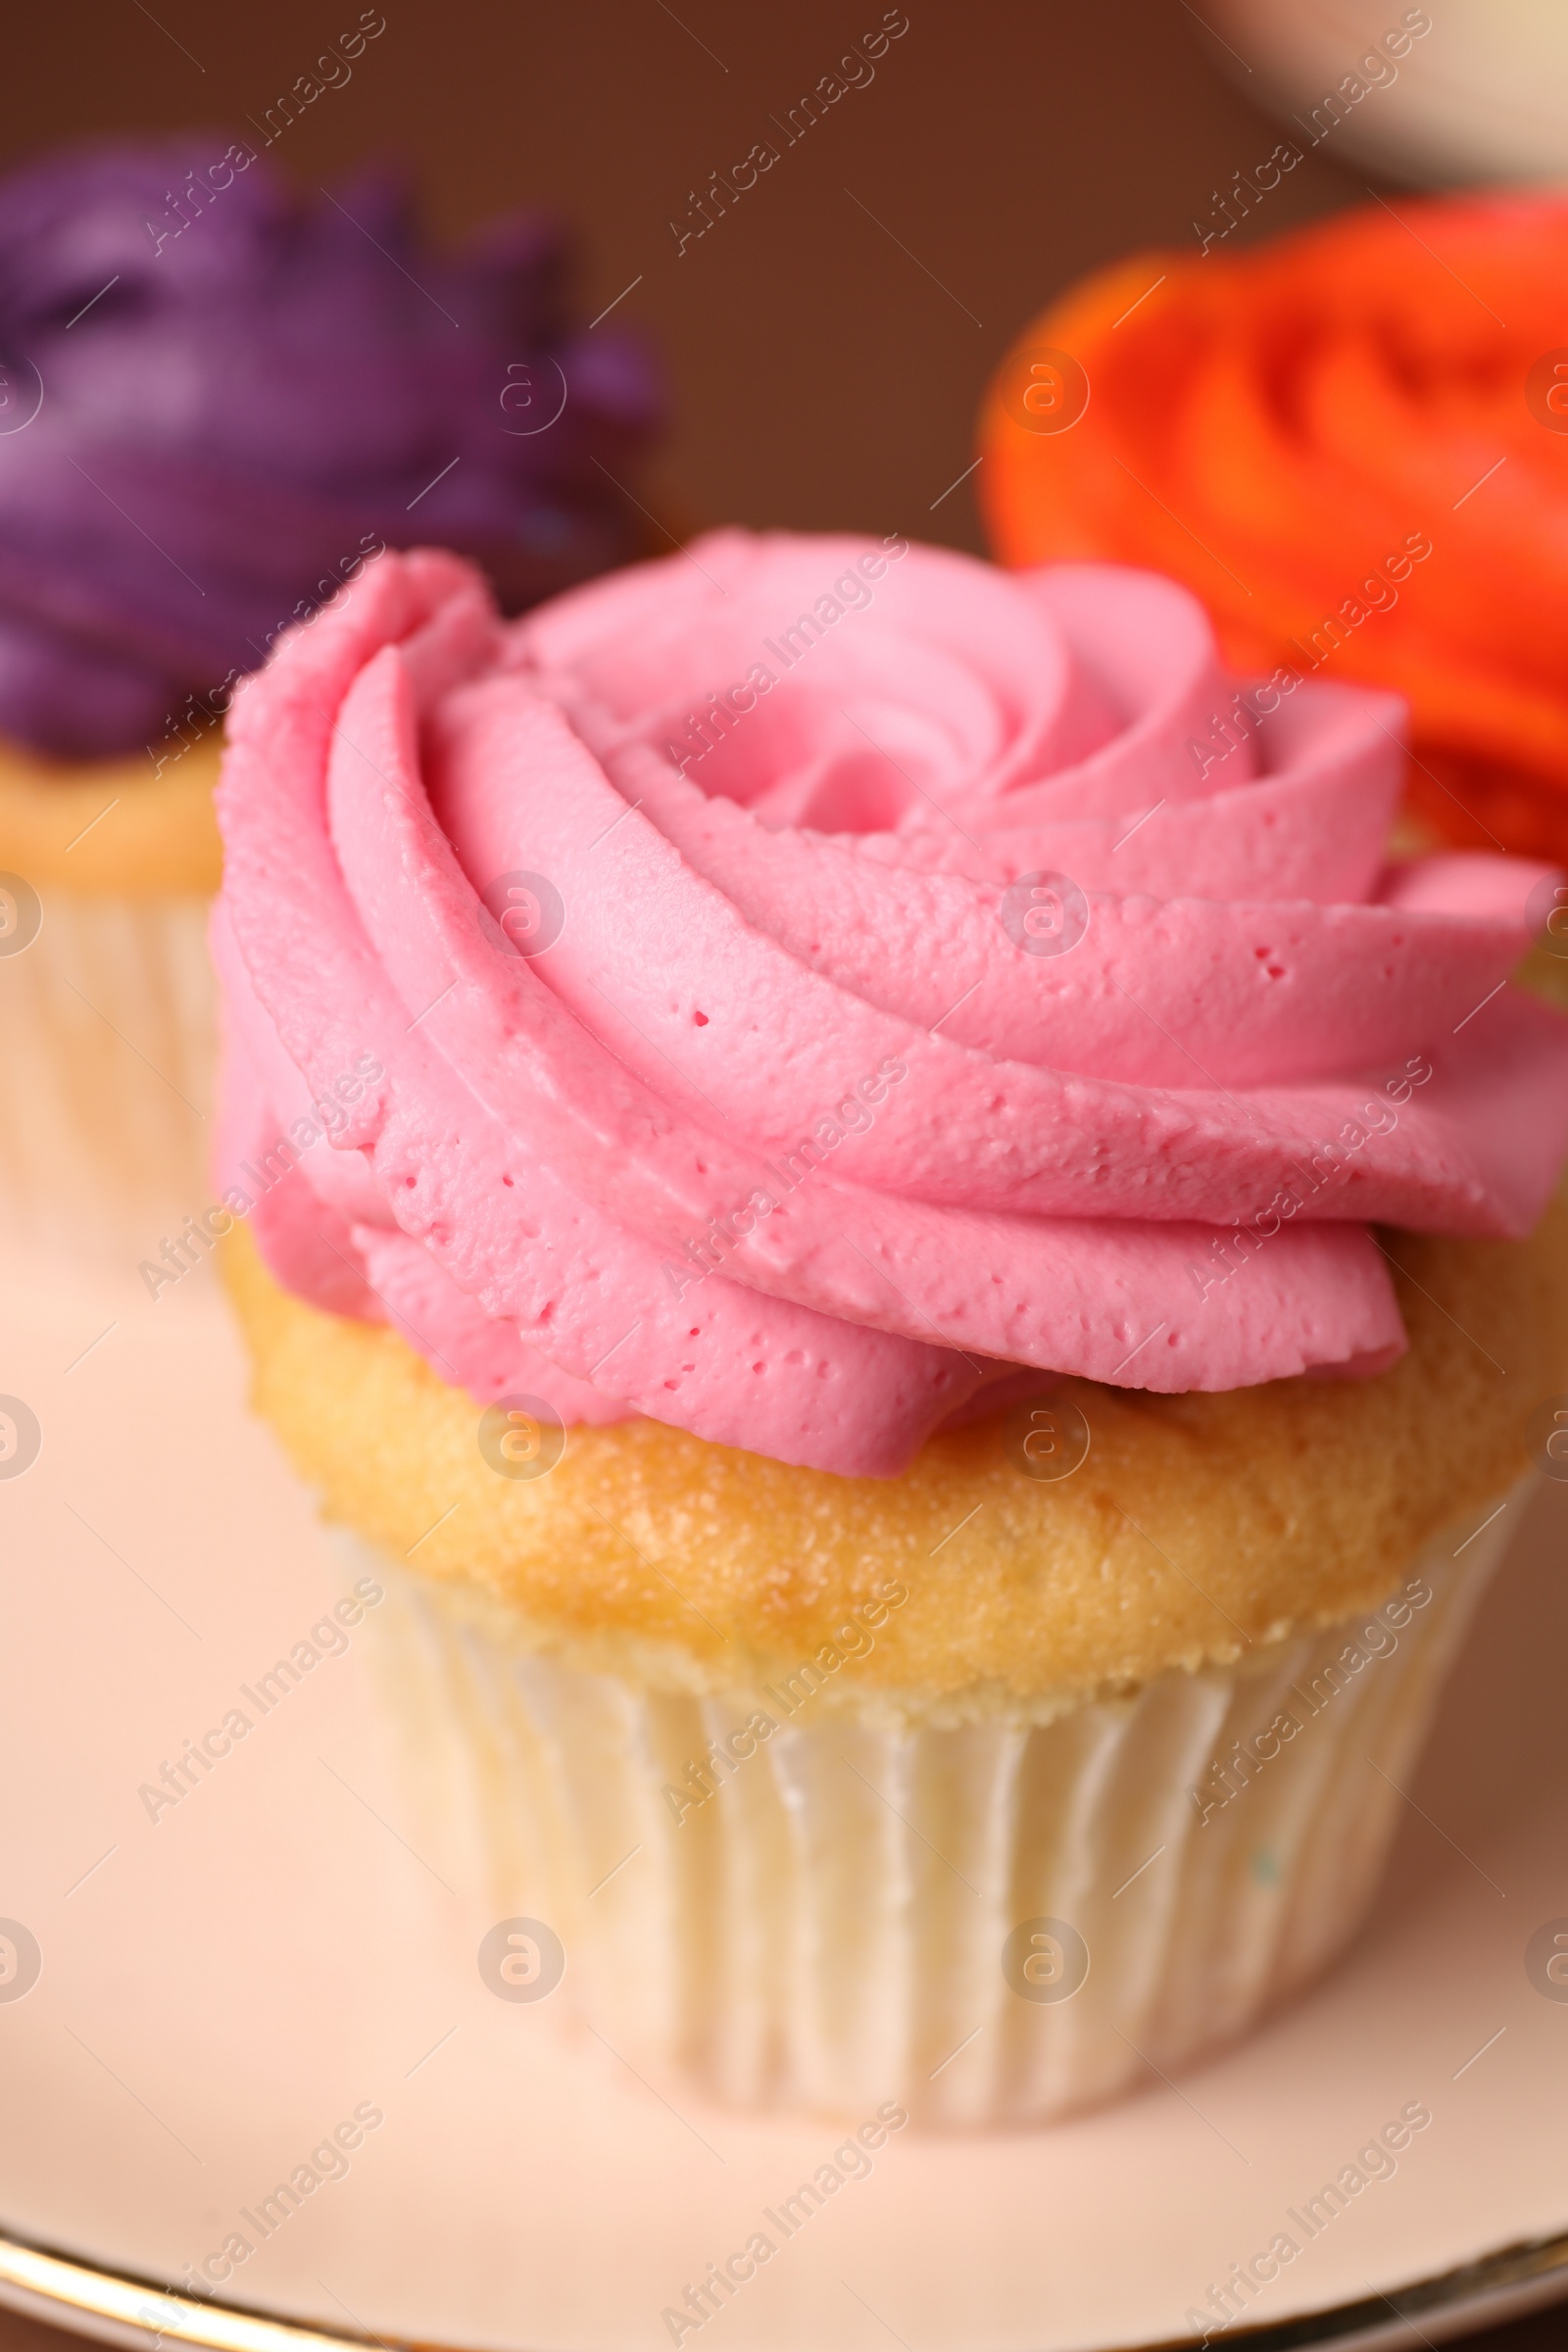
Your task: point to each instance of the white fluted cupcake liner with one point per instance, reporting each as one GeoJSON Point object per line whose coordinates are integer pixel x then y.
{"type": "Point", "coordinates": [996, 1923]}
{"type": "Point", "coordinates": [107, 1048]}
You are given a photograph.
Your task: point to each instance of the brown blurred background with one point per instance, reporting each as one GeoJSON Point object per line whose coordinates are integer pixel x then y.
{"type": "Point", "coordinates": [826, 348]}
{"type": "Point", "coordinates": [827, 340]}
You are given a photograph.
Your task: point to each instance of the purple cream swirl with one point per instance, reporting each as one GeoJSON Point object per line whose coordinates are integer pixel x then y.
{"type": "Point", "coordinates": [216, 396]}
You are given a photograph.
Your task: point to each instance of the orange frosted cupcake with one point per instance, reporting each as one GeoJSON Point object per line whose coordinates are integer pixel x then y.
{"type": "Point", "coordinates": [1352, 443]}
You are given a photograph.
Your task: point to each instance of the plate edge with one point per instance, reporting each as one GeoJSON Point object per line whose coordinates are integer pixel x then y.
{"type": "Point", "coordinates": [65, 2290]}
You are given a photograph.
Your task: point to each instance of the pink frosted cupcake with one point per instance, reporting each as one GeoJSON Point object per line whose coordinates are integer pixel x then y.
{"type": "Point", "coordinates": [808, 1122]}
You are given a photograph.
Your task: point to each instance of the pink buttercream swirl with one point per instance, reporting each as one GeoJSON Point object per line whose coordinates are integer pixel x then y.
{"type": "Point", "coordinates": [806, 988]}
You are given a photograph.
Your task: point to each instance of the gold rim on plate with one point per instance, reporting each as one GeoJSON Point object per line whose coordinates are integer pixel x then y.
{"type": "Point", "coordinates": [45, 2285]}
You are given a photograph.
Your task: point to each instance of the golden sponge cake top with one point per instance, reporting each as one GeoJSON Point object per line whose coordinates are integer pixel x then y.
{"type": "Point", "coordinates": [1195, 1527]}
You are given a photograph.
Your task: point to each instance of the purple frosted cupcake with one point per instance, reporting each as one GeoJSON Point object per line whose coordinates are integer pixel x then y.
{"type": "Point", "coordinates": [218, 397]}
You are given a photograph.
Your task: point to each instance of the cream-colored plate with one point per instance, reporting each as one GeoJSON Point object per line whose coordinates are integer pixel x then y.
{"type": "Point", "coordinates": [223, 1985]}
{"type": "Point", "coordinates": [1481, 95]}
